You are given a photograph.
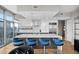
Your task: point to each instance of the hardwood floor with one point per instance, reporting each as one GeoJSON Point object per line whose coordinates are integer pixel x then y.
{"type": "Point", "coordinates": [68, 48]}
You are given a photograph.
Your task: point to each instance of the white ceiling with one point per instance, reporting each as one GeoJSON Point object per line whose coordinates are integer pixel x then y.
{"type": "Point", "coordinates": [45, 12]}
{"type": "Point", "coordinates": [39, 15]}
{"type": "Point", "coordinates": [62, 8]}
{"type": "Point", "coordinates": [39, 8]}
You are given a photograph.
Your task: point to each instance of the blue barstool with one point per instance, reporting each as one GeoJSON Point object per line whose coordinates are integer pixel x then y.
{"type": "Point", "coordinates": [58, 42]}
{"type": "Point", "coordinates": [30, 42]}
{"type": "Point", "coordinates": [44, 42]}
{"type": "Point", "coordinates": [18, 42]}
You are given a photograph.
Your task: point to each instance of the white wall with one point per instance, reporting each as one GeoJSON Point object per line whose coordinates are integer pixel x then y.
{"type": "Point", "coordinates": [70, 30]}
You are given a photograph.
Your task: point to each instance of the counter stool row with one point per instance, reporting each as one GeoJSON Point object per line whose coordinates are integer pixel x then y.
{"type": "Point", "coordinates": [33, 42]}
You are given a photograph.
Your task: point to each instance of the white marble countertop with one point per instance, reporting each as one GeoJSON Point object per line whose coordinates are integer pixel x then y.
{"type": "Point", "coordinates": [37, 36]}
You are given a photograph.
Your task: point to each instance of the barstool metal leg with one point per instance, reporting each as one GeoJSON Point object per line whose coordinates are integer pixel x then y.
{"type": "Point", "coordinates": [44, 50]}
{"type": "Point", "coordinates": [59, 49]}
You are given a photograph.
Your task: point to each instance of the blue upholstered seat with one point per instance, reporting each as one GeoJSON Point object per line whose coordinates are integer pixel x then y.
{"type": "Point", "coordinates": [31, 42]}
{"type": "Point", "coordinates": [58, 42]}
{"type": "Point", "coordinates": [18, 42]}
{"type": "Point", "coordinates": [44, 42]}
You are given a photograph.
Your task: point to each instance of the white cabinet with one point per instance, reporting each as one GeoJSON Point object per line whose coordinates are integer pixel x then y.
{"type": "Point", "coordinates": [36, 26]}
{"type": "Point", "coordinates": [44, 27]}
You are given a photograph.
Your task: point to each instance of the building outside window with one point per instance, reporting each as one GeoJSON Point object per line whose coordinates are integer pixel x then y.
{"type": "Point", "coordinates": [15, 28]}
{"type": "Point", "coordinates": [1, 28]}
{"type": "Point", "coordinates": [6, 27]}
{"type": "Point", "coordinates": [9, 26]}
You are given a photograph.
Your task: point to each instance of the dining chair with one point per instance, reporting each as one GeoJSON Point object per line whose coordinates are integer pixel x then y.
{"type": "Point", "coordinates": [44, 42]}
{"type": "Point", "coordinates": [58, 42]}
{"type": "Point", "coordinates": [18, 42]}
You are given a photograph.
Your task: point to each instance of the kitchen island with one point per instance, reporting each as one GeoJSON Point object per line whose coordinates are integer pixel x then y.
{"type": "Point", "coordinates": [50, 36]}
{"type": "Point", "coordinates": [38, 36]}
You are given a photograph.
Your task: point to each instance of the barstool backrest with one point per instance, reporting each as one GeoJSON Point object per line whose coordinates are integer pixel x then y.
{"type": "Point", "coordinates": [45, 39]}
{"type": "Point", "coordinates": [58, 41]}
{"type": "Point", "coordinates": [31, 39]}
{"type": "Point", "coordinates": [17, 40]}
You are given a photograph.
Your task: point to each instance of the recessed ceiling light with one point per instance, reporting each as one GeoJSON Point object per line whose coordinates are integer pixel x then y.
{"type": "Point", "coordinates": [61, 13]}
{"type": "Point", "coordinates": [35, 6]}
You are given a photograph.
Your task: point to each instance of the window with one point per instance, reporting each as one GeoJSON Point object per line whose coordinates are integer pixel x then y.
{"type": "Point", "coordinates": [1, 14]}
{"type": "Point", "coordinates": [1, 28]}
{"type": "Point", "coordinates": [9, 31]}
{"type": "Point", "coordinates": [6, 30]}
{"type": "Point", "coordinates": [1, 33]}
{"type": "Point", "coordinates": [15, 28]}
{"type": "Point", "coordinates": [9, 16]}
